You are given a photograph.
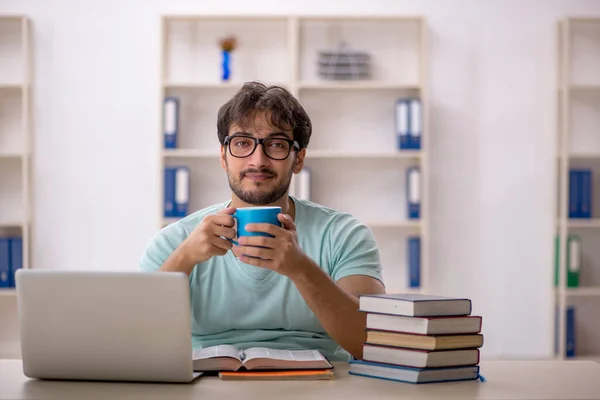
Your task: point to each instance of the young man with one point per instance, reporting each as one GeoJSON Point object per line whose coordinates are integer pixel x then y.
{"type": "Point", "coordinates": [297, 290]}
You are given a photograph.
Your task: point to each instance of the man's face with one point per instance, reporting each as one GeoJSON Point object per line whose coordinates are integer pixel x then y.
{"type": "Point", "coordinates": [258, 179]}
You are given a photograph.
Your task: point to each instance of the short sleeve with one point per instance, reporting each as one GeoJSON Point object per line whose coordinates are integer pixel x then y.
{"type": "Point", "coordinates": [160, 247]}
{"type": "Point", "coordinates": [354, 249]}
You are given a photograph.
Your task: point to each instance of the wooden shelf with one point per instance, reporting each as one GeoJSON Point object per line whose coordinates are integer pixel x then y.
{"type": "Point", "coordinates": [190, 153]}
{"type": "Point", "coordinates": [316, 154]}
{"type": "Point", "coordinates": [11, 86]}
{"type": "Point", "coordinates": [581, 88]}
{"type": "Point", "coordinates": [336, 154]}
{"type": "Point", "coordinates": [583, 291]}
{"type": "Point", "coordinates": [11, 224]}
{"type": "Point", "coordinates": [16, 135]}
{"type": "Point", "coordinates": [370, 224]}
{"type": "Point", "coordinates": [394, 224]}
{"type": "Point", "coordinates": [357, 85]}
{"type": "Point", "coordinates": [577, 95]}
{"type": "Point", "coordinates": [584, 223]}
{"type": "Point", "coordinates": [213, 85]}
{"type": "Point", "coordinates": [284, 51]}
{"type": "Point", "coordinates": [584, 156]}
{"type": "Point", "coordinates": [11, 155]}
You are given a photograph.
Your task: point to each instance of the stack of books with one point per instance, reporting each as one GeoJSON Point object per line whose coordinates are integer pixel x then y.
{"type": "Point", "coordinates": [419, 338]}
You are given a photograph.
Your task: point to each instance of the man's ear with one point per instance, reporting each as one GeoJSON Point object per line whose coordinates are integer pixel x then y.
{"type": "Point", "coordinates": [300, 161]}
{"type": "Point", "coordinates": [222, 158]}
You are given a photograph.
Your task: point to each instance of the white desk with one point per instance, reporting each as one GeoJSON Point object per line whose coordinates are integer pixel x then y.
{"type": "Point", "coordinates": [505, 380]}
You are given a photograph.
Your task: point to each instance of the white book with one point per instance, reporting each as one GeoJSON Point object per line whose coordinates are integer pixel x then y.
{"type": "Point", "coordinates": [230, 358]}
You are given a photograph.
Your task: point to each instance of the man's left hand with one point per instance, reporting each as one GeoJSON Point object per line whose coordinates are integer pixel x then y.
{"type": "Point", "coordinates": [280, 253]}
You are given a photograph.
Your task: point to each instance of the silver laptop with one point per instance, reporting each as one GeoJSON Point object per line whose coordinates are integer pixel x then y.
{"type": "Point", "coordinates": [107, 326]}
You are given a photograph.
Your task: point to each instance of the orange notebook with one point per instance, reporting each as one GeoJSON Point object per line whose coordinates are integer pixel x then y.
{"type": "Point", "coordinates": [298, 375]}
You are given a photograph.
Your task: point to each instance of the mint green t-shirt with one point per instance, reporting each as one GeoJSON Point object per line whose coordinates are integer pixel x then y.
{"type": "Point", "coordinates": [246, 306]}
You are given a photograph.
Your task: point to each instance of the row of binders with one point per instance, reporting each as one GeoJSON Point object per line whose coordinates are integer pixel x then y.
{"type": "Point", "coordinates": [11, 260]}
{"type": "Point", "coordinates": [408, 122]}
{"type": "Point", "coordinates": [418, 338]}
{"type": "Point", "coordinates": [580, 193]}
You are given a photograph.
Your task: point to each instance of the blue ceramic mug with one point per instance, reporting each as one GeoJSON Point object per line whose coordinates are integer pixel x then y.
{"type": "Point", "coordinates": [254, 215]}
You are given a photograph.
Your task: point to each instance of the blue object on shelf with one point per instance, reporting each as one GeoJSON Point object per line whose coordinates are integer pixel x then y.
{"type": "Point", "coordinates": [226, 70]}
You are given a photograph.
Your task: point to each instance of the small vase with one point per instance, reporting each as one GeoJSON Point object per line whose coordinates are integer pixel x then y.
{"type": "Point", "coordinates": [226, 71]}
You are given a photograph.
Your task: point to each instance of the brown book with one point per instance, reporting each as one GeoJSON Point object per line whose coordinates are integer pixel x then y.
{"type": "Point", "coordinates": [424, 342]}
{"type": "Point", "coordinates": [305, 375]}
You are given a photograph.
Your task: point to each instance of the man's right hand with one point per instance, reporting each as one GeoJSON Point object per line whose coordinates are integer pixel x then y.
{"type": "Point", "coordinates": [206, 241]}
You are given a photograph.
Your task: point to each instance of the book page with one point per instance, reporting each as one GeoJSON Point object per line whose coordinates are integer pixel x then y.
{"type": "Point", "coordinates": [287, 355]}
{"type": "Point", "coordinates": [223, 350]}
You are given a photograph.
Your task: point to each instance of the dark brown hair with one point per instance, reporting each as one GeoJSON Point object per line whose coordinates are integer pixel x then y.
{"type": "Point", "coordinates": [281, 107]}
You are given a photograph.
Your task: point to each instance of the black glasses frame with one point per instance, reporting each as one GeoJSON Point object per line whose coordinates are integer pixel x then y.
{"type": "Point", "coordinates": [257, 141]}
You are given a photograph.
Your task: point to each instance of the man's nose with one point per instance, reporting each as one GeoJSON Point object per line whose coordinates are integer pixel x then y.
{"type": "Point", "coordinates": [259, 158]}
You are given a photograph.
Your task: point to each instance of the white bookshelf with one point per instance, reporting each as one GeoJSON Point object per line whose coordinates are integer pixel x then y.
{"type": "Point", "coordinates": [353, 150]}
{"type": "Point", "coordinates": [15, 134]}
{"type": "Point", "coordinates": [578, 146]}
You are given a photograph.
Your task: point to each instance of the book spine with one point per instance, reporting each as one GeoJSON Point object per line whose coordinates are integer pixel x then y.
{"type": "Point", "coordinates": [416, 129]}
{"type": "Point", "coordinates": [170, 121]}
{"type": "Point", "coordinates": [169, 209]}
{"type": "Point", "coordinates": [16, 259]}
{"type": "Point", "coordinates": [574, 198]}
{"type": "Point", "coordinates": [413, 192]}
{"type": "Point", "coordinates": [402, 124]}
{"type": "Point", "coordinates": [182, 191]}
{"type": "Point", "coordinates": [414, 261]}
{"type": "Point", "coordinates": [570, 332]}
{"type": "Point", "coordinates": [585, 180]}
{"type": "Point", "coordinates": [4, 263]}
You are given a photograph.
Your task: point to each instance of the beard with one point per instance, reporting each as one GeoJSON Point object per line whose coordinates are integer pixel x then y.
{"type": "Point", "coordinates": [258, 195]}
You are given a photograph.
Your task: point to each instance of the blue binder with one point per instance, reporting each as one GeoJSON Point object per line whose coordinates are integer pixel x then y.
{"type": "Point", "coordinates": [169, 188]}
{"type": "Point", "coordinates": [171, 121]}
{"type": "Point", "coordinates": [182, 191]}
{"type": "Point", "coordinates": [415, 124]}
{"type": "Point", "coordinates": [16, 259]}
{"type": "Point", "coordinates": [414, 261]}
{"type": "Point", "coordinates": [402, 124]}
{"type": "Point", "coordinates": [413, 192]}
{"type": "Point", "coordinates": [570, 332]}
{"type": "Point", "coordinates": [574, 194]}
{"type": "Point", "coordinates": [4, 263]}
{"type": "Point", "coordinates": [585, 180]}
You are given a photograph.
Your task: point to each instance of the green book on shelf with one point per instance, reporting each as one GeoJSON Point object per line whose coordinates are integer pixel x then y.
{"type": "Point", "coordinates": [573, 260]}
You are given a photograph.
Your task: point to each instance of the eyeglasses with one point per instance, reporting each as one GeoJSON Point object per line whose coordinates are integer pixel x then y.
{"type": "Point", "coordinates": [274, 148]}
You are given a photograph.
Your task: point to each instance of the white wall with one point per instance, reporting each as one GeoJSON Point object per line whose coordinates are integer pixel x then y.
{"type": "Point", "coordinates": [492, 66]}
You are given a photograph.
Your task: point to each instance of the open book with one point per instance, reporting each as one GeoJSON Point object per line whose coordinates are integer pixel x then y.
{"type": "Point", "coordinates": [230, 358]}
